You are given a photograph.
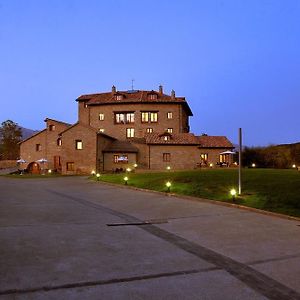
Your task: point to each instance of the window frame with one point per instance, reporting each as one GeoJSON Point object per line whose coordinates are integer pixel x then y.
{"type": "Point", "coordinates": [77, 143]}
{"type": "Point", "coordinates": [166, 157]}
{"type": "Point", "coordinates": [101, 116]}
{"type": "Point", "coordinates": [131, 132]}
{"type": "Point", "coordinates": [68, 164]}
{"type": "Point", "coordinates": [169, 115]}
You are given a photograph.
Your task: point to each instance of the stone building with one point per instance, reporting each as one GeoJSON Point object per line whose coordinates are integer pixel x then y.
{"type": "Point", "coordinates": [120, 129]}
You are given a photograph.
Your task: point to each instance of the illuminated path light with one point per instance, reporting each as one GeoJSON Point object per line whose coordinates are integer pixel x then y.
{"type": "Point", "coordinates": [126, 179]}
{"type": "Point", "coordinates": [233, 193]}
{"type": "Point", "coordinates": [98, 176]}
{"type": "Point", "coordinates": [168, 185]}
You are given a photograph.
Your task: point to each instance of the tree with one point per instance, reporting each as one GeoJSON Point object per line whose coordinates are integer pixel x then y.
{"type": "Point", "coordinates": [10, 134]}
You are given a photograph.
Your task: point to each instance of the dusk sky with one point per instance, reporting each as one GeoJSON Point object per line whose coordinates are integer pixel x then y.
{"type": "Point", "coordinates": [236, 62]}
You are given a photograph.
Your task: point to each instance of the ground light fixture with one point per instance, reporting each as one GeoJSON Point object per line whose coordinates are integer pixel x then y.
{"type": "Point", "coordinates": [98, 176]}
{"type": "Point", "coordinates": [49, 171]}
{"type": "Point", "coordinates": [128, 169]}
{"type": "Point", "coordinates": [135, 165]}
{"type": "Point", "coordinates": [126, 180]}
{"type": "Point", "coordinates": [211, 165]}
{"type": "Point", "coordinates": [168, 185]}
{"type": "Point", "coordinates": [93, 173]}
{"type": "Point", "coordinates": [233, 194]}
{"type": "Point", "coordinates": [253, 165]}
{"type": "Point", "coordinates": [294, 166]}
{"type": "Point", "coordinates": [168, 168]}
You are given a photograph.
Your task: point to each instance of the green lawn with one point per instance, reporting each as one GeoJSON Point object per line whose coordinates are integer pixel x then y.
{"type": "Point", "coordinates": [268, 189]}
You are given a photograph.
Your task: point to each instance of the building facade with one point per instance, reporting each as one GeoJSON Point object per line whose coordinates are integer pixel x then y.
{"type": "Point", "coordinates": [120, 129]}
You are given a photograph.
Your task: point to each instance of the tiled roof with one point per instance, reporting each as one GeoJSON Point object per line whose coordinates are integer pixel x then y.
{"type": "Point", "coordinates": [214, 142]}
{"type": "Point", "coordinates": [172, 139]}
{"type": "Point", "coordinates": [120, 146]}
{"type": "Point", "coordinates": [135, 96]}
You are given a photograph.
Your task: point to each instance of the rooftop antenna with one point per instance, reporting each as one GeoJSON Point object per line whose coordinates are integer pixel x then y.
{"type": "Point", "coordinates": [132, 80]}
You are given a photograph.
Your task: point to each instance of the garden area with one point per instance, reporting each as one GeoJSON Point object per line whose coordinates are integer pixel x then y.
{"type": "Point", "coordinates": [276, 190]}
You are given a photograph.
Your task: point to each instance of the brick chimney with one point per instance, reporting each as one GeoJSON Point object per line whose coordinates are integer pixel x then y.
{"type": "Point", "coordinates": [173, 94]}
{"type": "Point", "coordinates": [113, 89]}
{"type": "Point", "coordinates": [160, 89]}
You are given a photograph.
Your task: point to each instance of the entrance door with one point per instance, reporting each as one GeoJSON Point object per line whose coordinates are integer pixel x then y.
{"type": "Point", "coordinates": [34, 168]}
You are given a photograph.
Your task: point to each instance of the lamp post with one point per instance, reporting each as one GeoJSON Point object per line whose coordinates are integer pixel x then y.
{"type": "Point", "coordinates": [240, 161]}
{"type": "Point", "coordinates": [98, 176]}
{"type": "Point", "coordinates": [126, 180]}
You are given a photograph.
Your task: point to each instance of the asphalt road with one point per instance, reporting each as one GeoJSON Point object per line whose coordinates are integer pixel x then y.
{"type": "Point", "coordinates": [68, 238]}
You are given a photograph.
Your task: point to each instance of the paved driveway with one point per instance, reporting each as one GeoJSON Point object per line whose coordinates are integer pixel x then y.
{"type": "Point", "coordinates": [68, 238]}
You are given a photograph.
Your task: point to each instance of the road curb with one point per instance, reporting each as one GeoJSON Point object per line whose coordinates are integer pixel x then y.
{"type": "Point", "coordinates": [185, 197]}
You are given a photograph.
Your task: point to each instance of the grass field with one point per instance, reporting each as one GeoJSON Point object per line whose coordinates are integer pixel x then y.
{"type": "Point", "coordinates": [267, 189]}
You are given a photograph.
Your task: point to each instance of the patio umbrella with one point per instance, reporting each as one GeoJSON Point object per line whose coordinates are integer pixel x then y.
{"type": "Point", "coordinates": [228, 152]}
{"type": "Point", "coordinates": [21, 161]}
{"type": "Point", "coordinates": [42, 160]}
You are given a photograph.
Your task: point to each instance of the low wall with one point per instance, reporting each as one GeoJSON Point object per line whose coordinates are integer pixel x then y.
{"type": "Point", "coordinates": [4, 164]}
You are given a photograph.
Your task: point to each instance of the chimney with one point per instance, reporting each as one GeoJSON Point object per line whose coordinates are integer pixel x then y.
{"type": "Point", "coordinates": [113, 89]}
{"type": "Point", "coordinates": [161, 89]}
{"type": "Point", "coordinates": [173, 94]}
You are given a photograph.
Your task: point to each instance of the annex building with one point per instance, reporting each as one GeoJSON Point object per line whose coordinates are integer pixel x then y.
{"type": "Point", "coordinates": [119, 129]}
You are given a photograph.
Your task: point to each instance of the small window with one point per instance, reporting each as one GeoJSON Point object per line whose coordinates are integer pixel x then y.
{"type": "Point", "coordinates": [153, 117]}
{"type": "Point", "coordinates": [59, 142]}
{"type": "Point", "coordinates": [166, 157]}
{"type": "Point", "coordinates": [101, 130]}
{"type": "Point", "coordinates": [101, 117]}
{"type": "Point", "coordinates": [149, 130]}
{"type": "Point", "coordinates": [152, 96]}
{"type": "Point", "coordinates": [51, 127]}
{"type": "Point", "coordinates": [78, 144]}
{"type": "Point", "coordinates": [166, 137]}
{"type": "Point", "coordinates": [169, 115]}
{"type": "Point", "coordinates": [85, 105]}
{"type": "Point", "coordinates": [145, 117]}
{"type": "Point", "coordinates": [70, 166]}
{"type": "Point", "coordinates": [204, 157]}
{"type": "Point", "coordinates": [38, 147]}
{"type": "Point", "coordinates": [129, 132]}
{"type": "Point", "coordinates": [170, 130]}
{"type": "Point", "coordinates": [119, 97]}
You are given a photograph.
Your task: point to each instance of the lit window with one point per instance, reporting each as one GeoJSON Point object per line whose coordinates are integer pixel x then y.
{"type": "Point", "coordinates": [122, 118]}
{"type": "Point", "coordinates": [130, 118]}
{"type": "Point", "coordinates": [101, 130]}
{"type": "Point", "coordinates": [79, 144]}
{"type": "Point", "coordinates": [119, 97]}
{"type": "Point", "coordinates": [51, 127]}
{"type": "Point", "coordinates": [70, 166]}
{"type": "Point", "coordinates": [149, 116]}
{"type": "Point", "coordinates": [170, 130]}
{"type": "Point", "coordinates": [166, 157]}
{"type": "Point", "coordinates": [170, 115]}
{"type": "Point", "coordinates": [204, 157]}
{"type": "Point", "coordinates": [153, 117]}
{"type": "Point", "coordinates": [149, 130]}
{"type": "Point", "coordinates": [101, 117]}
{"type": "Point", "coordinates": [38, 147]}
{"type": "Point", "coordinates": [152, 96]}
{"type": "Point", "coordinates": [85, 105]}
{"type": "Point", "coordinates": [129, 132]}
{"type": "Point", "coordinates": [59, 142]}
{"type": "Point", "coordinates": [166, 138]}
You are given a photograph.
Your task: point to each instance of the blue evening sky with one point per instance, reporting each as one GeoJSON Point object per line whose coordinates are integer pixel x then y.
{"type": "Point", "coordinates": [236, 62]}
